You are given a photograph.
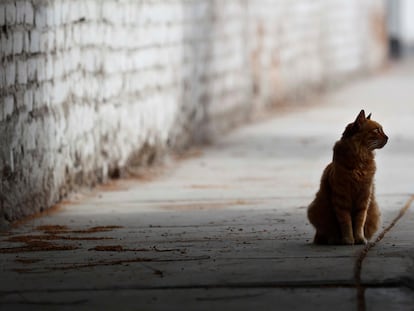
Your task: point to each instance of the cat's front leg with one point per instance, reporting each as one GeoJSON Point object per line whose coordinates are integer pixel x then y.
{"type": "Point", "coordinates": [344, 218]}
{"type": "Point", "coordinates": [359, 223]}
{"type": "Point", "coordinates": [360, 217]}
{"type": "Point", "coordinates": [342, 205]}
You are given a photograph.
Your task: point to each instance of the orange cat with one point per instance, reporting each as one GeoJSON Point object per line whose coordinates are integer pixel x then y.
{"type": "Point", "coordinates": [344, 210]}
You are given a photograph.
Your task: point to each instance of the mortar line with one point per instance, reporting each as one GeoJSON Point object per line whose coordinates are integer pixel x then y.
{"type": "Point", "coordinates": [364, 252]}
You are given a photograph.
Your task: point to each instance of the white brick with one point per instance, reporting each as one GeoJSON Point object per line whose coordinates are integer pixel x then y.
{"type": "Point", "coordinates": [47, 92]}
{"type": "Point", "coordinates": [34, 41]}
{"type": "Point", "coordinates": [29, 135]}
{"type": "Point", "coordinates": [20, 12]}
{"type": "Point", "coordinates": [49, 69]}
{"type": "Point", "coordinates": [60, 38]}
{"type": "Point", "coordinates": [38, 96]}
{"type": "Point", "coordinates": [8, 106]}
{"type": "Point", "coordinates": [19, 99]}
{"type": "Point", "coordinates": [40, 70]}
{"type": "Point", "coordinates": [111, 12]}
{"type": "Point", "coordinates": [29, 13]}
{"type": "Point", "coordinates": [31, 69]}
{"type": "Point", "coordinates": [44, 41]}
{"type": "Point", "coordinates": [50, 16]}
{"type": "Point", "coordinates": [18, 42]}
{"type": "Point", "coordinates": [2, 79]}
{"type": "Point", "coordinates": [26, 42]}
{"type": "Point", "coordinates": [58, 67]}
{"type": "Point", "coordinates": [28, 100]}
{"type": "Point", "coordinates": [59, 92]}
{"type": "Point", "coordinates": [7, 45]}
{"type": "Point", "coordinates": [77, 34]}
{"type": "Point", "coordinates": [57, 12]}
{"type": "Point", "coordinates": [40, 17]}
{"type": "Point", "coordinates": [2, 14]}
{"type": "Point", "coordinates": [22, 72]}
{"type": "Point", "coordinates": [10, 74]}
{"type": "Point", "coordinates": [91, 10]}
{"type": "Point", "coordinates": [64, 12]}
{"type": "Point", "coordinates": [11, 13]}
{"type": "Point", "coordinates": [75, 11]}
{"type": "Point", "coordinates": [89, 59]}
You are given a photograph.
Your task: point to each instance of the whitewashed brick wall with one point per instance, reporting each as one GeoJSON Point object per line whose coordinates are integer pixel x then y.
{"type": "Point", "coordinates": [89, 86]}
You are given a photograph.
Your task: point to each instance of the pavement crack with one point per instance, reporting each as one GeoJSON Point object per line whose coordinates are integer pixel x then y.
{"type": "Point", "coordinates": [364, 252]}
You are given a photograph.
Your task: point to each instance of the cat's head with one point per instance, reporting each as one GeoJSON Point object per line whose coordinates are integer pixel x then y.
{"type": "Point", "coordinates": [366, 131]}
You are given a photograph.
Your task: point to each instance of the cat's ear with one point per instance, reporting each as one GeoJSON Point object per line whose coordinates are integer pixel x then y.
{"type": "Point", "coordinates": [369, 117]}
{"type": "Point", "coordinates": [354, 127]}
{"type": "Point", "coordinates": [360, 118]}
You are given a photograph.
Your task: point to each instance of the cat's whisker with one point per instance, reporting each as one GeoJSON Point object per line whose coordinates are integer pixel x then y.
{"type": "Point", "coordinates": [374, 144]}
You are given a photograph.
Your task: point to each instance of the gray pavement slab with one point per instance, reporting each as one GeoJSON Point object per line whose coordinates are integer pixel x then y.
{"type": "Point", "coordinates": [226, 228]}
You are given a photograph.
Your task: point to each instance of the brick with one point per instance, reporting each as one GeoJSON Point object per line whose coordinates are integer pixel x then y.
{"type": "Point", "coordinates": [60, 38]}
{"type": "Point", "coordinates": [29, 13]}
{"type": "Point", "coordinates": [40, 17]}
{"type": "Point", "coordinates": [18, 40]}
{"type": "Point", "coordinates": [44, 41]}
{"type": "Point", "coordinates": [2, 79]}
{"type": "Point", "coordinates": [59, 92]}
{"type": "Point", "coordinates": [28, 100]}
{"type": "Point", "coordinates": [40, 70]}
{"type": "Point", "coordinates": [92, 10]}
{"type": "Point", "coordinates": [46, 88]}
{"type": "Point", "coordinates": [75, 13]}
{"type": "Point", "coordinates": [10, 74]}
{"type": "Point", "coordinates": [49, 69]}
{"type": "Point", "coordinates": [50, 16]}
{"type": "Point", "coordinates": [34, 41]}
{"type": "Point", "coordinates": [58, 69]}
{"type": "Point", "coordinates": [11, 13]}
{"type": "Point", "coordinates": [21, 72]}
{"type": "Point", "coordinates": [31, 69]}
{"type": "Point", "coordinates": [26, 42]}
{"type": "Point", "coordinates": [38, 97]}
{"type": "Point", "coordinates": [29, 135]}
{"type": "Point", "coordinates": [111, 12]}
{"type": "Point", "coordinates": [7, 45]}
{"type": "Point", "coordinates": [20, 12]}
{"type": "Point", "coordinates": [2, 14]}
{"type": "Point", "coordinates": [18, 99]}
{"type": "Point", "coordinates": [57, 12]}
{"type": "Point", "coordinates": [8, 106]}
{"type": "Point", "coordinates": [63, 12]}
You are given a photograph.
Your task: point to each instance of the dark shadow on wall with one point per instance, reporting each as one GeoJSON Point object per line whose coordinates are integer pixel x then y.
{"type": "Point", "coordinates": [27, 126]}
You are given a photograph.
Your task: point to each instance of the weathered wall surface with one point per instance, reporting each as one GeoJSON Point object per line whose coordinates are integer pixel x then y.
{"type": "Point", "coordinates": [88, 86]}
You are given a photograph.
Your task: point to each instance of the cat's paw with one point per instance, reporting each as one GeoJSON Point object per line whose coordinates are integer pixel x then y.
{"type": "Point", "coordinates": [347, 241]}
{"type": "Point", "coordinates": [361, 240]}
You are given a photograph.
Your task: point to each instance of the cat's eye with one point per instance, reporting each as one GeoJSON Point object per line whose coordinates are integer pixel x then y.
{"type": "Point", "coordinates": [377, 130]}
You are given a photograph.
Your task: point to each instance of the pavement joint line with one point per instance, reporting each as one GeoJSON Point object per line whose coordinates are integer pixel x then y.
{"type": "Point", "coordinates": [364, 252]}
{"type": "Point", "coordinates": [253, 285]}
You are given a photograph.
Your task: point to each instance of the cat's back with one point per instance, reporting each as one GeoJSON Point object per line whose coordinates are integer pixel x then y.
{"type": "Point", "coordinates": [322, 196]}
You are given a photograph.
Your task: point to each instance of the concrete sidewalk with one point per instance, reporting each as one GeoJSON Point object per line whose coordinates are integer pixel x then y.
{"type": "Point", "coordinates": [226, 228]}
